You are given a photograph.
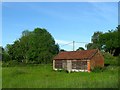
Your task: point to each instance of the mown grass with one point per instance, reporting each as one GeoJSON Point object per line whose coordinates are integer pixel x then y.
{"type": "Point", "coordinates": [42, 76]}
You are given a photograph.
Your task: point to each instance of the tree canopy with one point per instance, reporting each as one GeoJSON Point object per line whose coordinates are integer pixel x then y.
{"type": "Point", "coordinates": [107, 41]}
{"type": "Point", "coordinates": [36, 46]}
{"type": "Point", "coordinates": [80, 48]}
{"type": "Point", "coordinates": [94, 41]}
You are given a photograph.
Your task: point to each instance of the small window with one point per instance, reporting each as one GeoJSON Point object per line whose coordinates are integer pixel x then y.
{"type": "Point", "coordinates": [58, 64]}
{"type": "Point", "coordinates": [79, 65]}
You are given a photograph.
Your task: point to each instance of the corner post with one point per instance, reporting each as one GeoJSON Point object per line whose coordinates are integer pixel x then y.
{"type": "Point", "coordinates": [88, 66]}
{"type": "Point", "coordinates": [53, 64]}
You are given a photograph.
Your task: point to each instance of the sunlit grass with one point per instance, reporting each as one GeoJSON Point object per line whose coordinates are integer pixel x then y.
{"type": "Point", "coordinates": [42, 76]}
{"type": "Point", "coordinates": [0, 74]}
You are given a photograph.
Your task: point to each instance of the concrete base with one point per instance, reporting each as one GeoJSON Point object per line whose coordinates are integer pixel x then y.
{"type": "Point", "coordinates": [75, 70]}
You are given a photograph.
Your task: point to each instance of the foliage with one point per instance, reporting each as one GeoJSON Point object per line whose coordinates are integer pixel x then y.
{"type": "Point", "coordinates": [98, 69]}
{"type": "Point", "coordinates": [10, 63]}
{"type": "Point", "coordinates": [110, 60]}
{"type": "Point", "coordinates": [80, 48]}
{"type": "Point", "coordinates": [0, 53]}
{"type": "Point", "coordinates": [94, 41]}
{"type": "Point", "coordinates": [32, 75]}
{"type": "Point", "coordinates": [4, 55]}
{"type": "Point", "coordinates": [62, 50]}
{"type": "Point", "coordinates": [107, 41]}
{"type": "Point", "coordinates": [1, 50]}
{"type": "Point", "coordinates": [36, 46]}
{"type": "Point", "coordinates": [95, 37]}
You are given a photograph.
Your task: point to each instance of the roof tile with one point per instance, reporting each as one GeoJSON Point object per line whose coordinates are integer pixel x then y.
{"type": "Point", "coordinates": [70, 55]}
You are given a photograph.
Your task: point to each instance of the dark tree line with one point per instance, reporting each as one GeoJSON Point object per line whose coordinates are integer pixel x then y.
{"type": "Point", "coordinates": [36, 46]}
{"type": "Point", "coordinates": [108, 41]}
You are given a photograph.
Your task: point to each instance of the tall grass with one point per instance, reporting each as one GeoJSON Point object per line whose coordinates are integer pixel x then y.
{"type": "Point", "coordinates": [42, 76]}
{"type": "Point", "coordinates": [0, 74]}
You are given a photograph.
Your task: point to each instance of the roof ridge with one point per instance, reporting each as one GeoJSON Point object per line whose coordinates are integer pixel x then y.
{"type": "Point", "coordinates": [79, 50]}
{"type": "Point", "coordinates": [77, 54]}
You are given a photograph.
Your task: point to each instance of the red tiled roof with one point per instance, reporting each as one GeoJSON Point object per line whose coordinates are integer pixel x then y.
{"type": "Point", "coordinates": [70, 55]}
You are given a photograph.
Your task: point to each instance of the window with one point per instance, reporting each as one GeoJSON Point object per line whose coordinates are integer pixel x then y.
{"type": "Point", "coordinates": [58, 64]}
{"type": "Point", "coordinates": [79, 65]}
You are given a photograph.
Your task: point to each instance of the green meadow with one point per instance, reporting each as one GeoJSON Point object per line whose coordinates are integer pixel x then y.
{"type": "Point", "coordinates": [43, 76]}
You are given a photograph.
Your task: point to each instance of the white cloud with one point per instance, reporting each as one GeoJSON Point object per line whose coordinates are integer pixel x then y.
{"type": "Point", "coordinates": [68, 45]}
{"type": "Point", "coordinates": [106, 7]}
{"type": "Point", "coordinates": [63, 42]}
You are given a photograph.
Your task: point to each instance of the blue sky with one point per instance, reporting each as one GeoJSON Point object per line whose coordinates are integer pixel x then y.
{"type": "Point", "coordinates": [65, 21]}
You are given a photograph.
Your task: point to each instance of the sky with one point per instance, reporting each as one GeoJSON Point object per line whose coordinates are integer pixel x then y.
{"type": "Point", "coordinates": [66, 21]}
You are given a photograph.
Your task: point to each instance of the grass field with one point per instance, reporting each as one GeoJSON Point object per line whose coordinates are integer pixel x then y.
{"type": "Point", "coordinates": [0, 74]}
{"type": "Point", "coordinates": [42, 76]}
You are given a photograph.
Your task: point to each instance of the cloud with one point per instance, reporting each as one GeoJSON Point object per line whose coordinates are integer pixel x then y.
{"type": "Point", "coordinates": [107, 12]}
{"type": "Point", "coordinates": [63, 42]}
{"type": "Point", "coordinates": [68, 45]}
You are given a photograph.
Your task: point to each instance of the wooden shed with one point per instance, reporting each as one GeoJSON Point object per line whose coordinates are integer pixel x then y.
{"type": "Point", "coordinates": [84, 60]}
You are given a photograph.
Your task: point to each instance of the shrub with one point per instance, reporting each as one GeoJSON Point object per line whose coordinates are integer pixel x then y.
{"type": "Point", "coordinates": [10, 63]}
{"type": "Point", "coordinates": [98, 69]}
{"type": "Point", "coordinates": [110, 60]}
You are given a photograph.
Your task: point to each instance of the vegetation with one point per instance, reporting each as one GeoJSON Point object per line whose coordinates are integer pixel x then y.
{"type": "Point", "coordinates": [94, 41]}
{"type": "Point", "coordinates": [0, 53]}
{"type": "Point", "coordinates": [107, 42]}
{"type": "Point", "coordinates": [31, 55]}
{"type": "Point", "coordinates": [36, 46]}
{"type": "Point", "coordinates": [80, 48]}
{"type": "Point", "coordinates": [43, 76]}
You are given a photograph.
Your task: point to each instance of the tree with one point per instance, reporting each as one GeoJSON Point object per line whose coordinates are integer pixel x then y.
{"type": "Point", "coordinates": [1, 49]}
{"type": "Point", "coordinates": [94, 41]}
{"type": "Point", "coordinates": [37, 46]}
{"type": "Point", "coordinates": [62, 50]}
{"type": "Point", "coordinates": [80, 48]}
{"type": "Point", "coordinates": [4, 56]}
{"type": "Point", "coordinates": [95, 37]}
{"type": "Point", "coordinates": [1, 53]}
{"type": "Point", "coordinates": [109, 42]}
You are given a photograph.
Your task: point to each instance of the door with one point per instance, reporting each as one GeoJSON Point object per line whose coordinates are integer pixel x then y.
{"type": "Point", "coordinates": [64, 64]}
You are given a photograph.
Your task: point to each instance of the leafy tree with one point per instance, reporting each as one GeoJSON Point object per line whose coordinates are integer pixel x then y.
{"type": "Point", "coordinates": [80, 48]}
{"type": "Point", "coordinates": [95, 37]}
{"type": "Point", "coordinates": [4, 56]}
{"type": "Point", "coordinates": [109, 41]}
{"type": "Point", "coordinates": [62, 50]}
{"type": "Point", "coordinates": [37, 46]}
{"type": "Point", "coordinates": [1, 53]}
{"type": "Point", "coordinates": [94, 41]}
{"type": "Point", "coordinates": [1, 49]}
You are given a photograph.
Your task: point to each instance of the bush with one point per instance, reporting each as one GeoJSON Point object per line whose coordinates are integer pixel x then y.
{"type": "Point", "coordinates": [110, 60]}
{"type": "Point", "coordinates": [10, 63]}
{"type": "Point", "coordinates": [6, 57]}
{"type": "Point", "coordinates": [98, 69]}
{"type": "Point", "coordinates": [107, 55]}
